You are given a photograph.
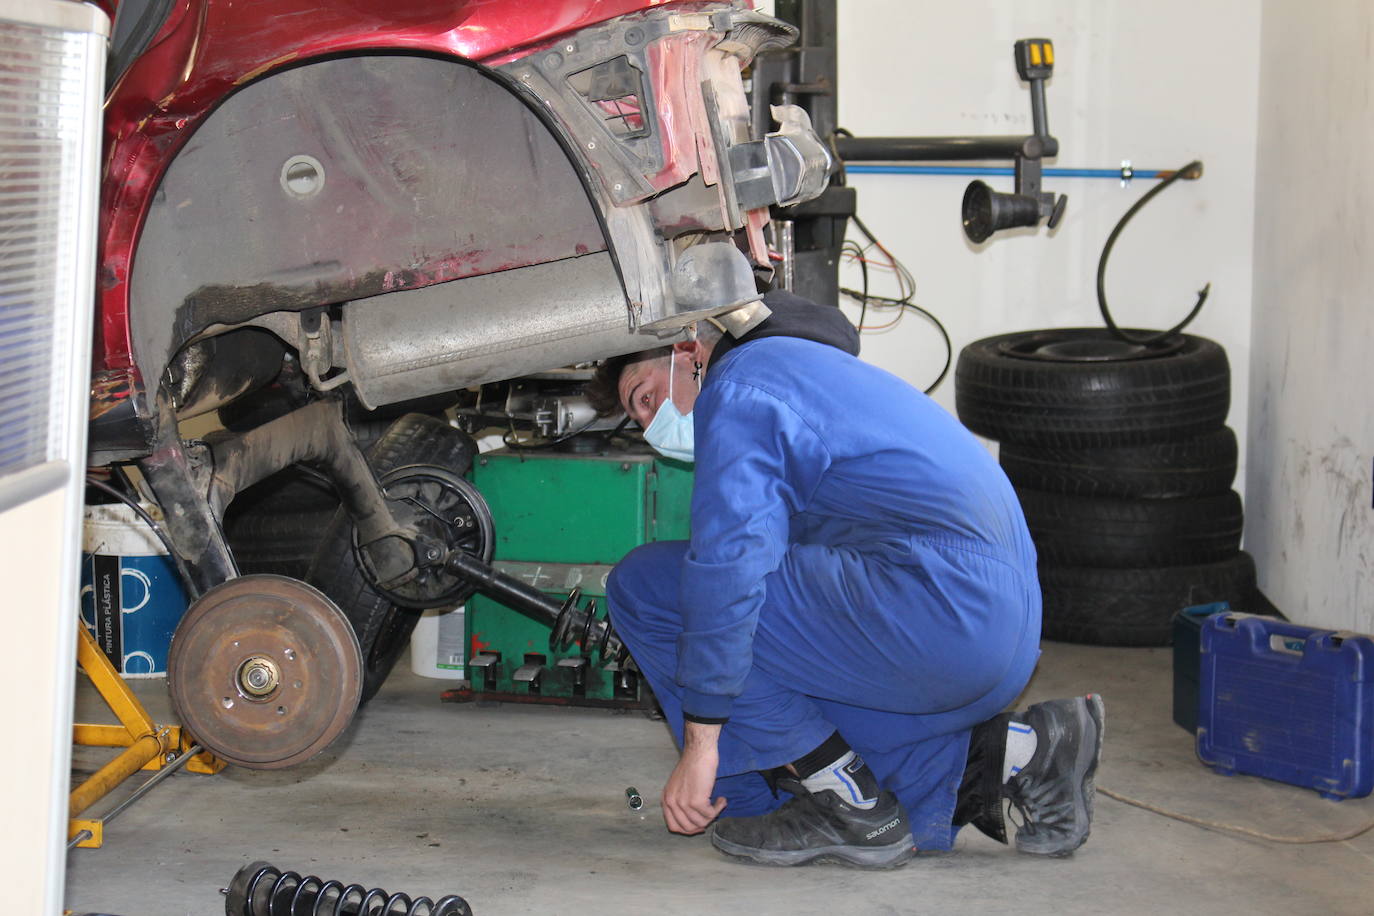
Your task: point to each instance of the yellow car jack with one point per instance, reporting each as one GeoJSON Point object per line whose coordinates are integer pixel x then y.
{"type": "Point", "coordinates": [148, 746]}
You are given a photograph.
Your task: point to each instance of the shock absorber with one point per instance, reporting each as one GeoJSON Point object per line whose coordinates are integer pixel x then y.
{"type": "Point", "coordinates": [568, 622]}
{"type": "Point", "coordinates": [259, 889]}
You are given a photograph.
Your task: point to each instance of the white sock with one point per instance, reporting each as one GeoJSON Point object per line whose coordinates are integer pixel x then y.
{"type": "Point", "coordinates": [1021, 744]}
{"type": "Point", "coordinates": [848, 777]}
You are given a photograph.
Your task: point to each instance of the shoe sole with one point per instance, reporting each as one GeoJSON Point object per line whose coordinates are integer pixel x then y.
{"type": "Point", "coordinates": [893, 855]}
{"type": "Point", "coordinates": [1090, 712]}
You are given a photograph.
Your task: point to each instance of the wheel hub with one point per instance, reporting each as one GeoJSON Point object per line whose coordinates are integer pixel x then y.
{"type": "Point", "coordinates": [258, 677]}
{"type": "Point", "coordinates": [450, 515]}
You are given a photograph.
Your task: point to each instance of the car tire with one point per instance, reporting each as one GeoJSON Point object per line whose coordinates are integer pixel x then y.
{"type": "Point", "coordinates": [1083, 388]}
{"type": "Point", "coordinates": [1135, 533]}
{"type": "Point", "coordinates": [280, 543]}
{"type": "Point", "coordinates": [383, 629]}
{"type": "Point", "coordinates": [1201, 466]}
{"type": "Point", "coordinates": [1136, 607]}
{"type": "Point", "coordinates": [274, 526]}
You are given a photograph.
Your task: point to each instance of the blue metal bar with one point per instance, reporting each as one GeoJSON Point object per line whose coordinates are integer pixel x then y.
{"type": "Point", "coordinates": [1115, 174]}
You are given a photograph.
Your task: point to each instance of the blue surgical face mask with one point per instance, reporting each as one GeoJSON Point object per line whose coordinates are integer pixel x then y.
{"type": "Point", "coordinates": [672, 433]}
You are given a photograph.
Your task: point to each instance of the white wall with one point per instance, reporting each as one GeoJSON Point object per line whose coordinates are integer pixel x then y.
{"type": "Point", "coordinates": [1160, 85]}
{"type": "Point", "coordinates": [1312, 428]}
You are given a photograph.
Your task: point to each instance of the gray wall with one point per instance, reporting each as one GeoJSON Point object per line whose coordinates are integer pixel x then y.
{"type": "Point", "coordinates": [1311, 433]}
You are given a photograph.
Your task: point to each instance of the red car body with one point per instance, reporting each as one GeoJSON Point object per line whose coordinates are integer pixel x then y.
{"type": "Point", "coordinates": [399, 201]}
{"type": "Point", "coordinates": [208, 51]}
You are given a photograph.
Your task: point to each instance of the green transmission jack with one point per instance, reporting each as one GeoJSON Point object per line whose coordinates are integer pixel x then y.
{"type": "Point", "coordinates": [562, 521]}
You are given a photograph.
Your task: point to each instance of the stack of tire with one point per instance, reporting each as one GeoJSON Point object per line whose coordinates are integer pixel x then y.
{"type": "Point", "coordinates": [1123, 464]}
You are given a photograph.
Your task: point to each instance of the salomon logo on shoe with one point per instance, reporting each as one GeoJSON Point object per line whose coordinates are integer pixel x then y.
{"type": "Point", "coordinates": [883, 829]}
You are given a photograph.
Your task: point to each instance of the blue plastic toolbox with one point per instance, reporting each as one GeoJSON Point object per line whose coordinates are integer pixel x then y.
{"type": "Point", "coordinates": [1287, 702]}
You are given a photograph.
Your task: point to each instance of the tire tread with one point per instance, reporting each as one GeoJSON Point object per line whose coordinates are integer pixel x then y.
{"type": "Point", "coordinates": [1200, 466]}
{"type": "Point", "coordinates": [1091, 404]}
{"type": "Point", "coordinates": [1136, 607]}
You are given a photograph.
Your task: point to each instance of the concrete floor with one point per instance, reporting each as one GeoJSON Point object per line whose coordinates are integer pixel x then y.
{"type": "Point", "coordinates": [523, 811]}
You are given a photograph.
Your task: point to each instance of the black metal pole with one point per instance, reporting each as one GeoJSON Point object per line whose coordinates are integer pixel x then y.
{"type": "Point", "coordinates": [530, 601]}
{"type": "Point", "coordinates": [506, 589]}
{"type": "Point", "coordinates": [943, 149]}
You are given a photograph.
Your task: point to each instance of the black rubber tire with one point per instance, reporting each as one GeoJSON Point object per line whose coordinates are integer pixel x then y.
{"type": "Point", "coordinates": [274, 526]}
{"type": "Point", "coordinates": [1080, 404]}
{"type": "Point", "coordinates": [281, 543]}
{"type": "Point", "coordinates": [383, 629]}
{"type": "Point", "coordinates": [1201, 466]}
{"type": "Point", "coordinates": [295, 489]}
{"type": "Point", "coordinates": [1134, 533]}
{"type": "Point", "coordinates": [1136, 607]}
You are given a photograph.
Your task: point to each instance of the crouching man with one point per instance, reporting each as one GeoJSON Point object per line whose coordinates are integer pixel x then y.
{"type": "Point", "coordinates": [855, 609]}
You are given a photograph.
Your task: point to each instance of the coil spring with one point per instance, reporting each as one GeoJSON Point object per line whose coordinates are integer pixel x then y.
{"type": "Point", "coordinates": [259, 889]}
{"type": "Point", "coordinates": [582, 626]}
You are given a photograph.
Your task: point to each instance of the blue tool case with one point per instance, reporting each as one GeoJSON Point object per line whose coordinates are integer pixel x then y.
{"type": "Point", "coordinates": [1287, 702]}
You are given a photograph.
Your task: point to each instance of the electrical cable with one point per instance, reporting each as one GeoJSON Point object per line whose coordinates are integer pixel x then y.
{"type": "Point", "coordinates": [1233, 828]}
{"type": "Point", "coordinates": [152, 524]}
{"type": "Point", "coordinates": [906, 284]}
{"type": "Point", "coordinates": [863, 269]}
{"type": "Point", "coordinates": [138, 510]}
{"type": "Point", "coordinates": [841, 172]}
{"type": "Point", "coordinates": [1192, 170]}
{"type": "Point", "coordinates": [906, 289]}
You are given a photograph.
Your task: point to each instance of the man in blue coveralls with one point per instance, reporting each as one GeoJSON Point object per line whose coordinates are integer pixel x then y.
{"type": "Point", "coordinates": [857, 606]}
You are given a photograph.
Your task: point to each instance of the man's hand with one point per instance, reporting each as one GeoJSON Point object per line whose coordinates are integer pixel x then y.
{"type": "Point", "coordinates": [687, 805]}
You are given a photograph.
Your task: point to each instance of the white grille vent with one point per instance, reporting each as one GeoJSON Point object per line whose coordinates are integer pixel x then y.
{"type": "Point", "coordinates": [52, 57]}
{"type": "Point", "coordinates": [43, 129]}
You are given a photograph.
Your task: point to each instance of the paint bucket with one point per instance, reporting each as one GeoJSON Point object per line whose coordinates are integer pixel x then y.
{"type": "Point", "coordinates": [438, 644]}
{"type": "Point", "coordinates": [131, 596]}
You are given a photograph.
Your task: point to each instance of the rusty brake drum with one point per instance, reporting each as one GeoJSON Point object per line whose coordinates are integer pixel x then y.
{"type": "Point", "coordinates": [265, 671]}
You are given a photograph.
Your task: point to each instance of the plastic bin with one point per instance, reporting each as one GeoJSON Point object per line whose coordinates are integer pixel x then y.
{"type": "Point", "coordinates": [438, 644]}
{"type": "Point", "coordinates": [131, 596]}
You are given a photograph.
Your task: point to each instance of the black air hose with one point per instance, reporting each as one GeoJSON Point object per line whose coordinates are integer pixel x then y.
{"type": "Point", "coordinates": [1190, 171]}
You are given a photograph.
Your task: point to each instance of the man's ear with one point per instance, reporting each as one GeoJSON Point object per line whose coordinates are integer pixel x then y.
{"type": "Point", "coordinates": [693, 348]}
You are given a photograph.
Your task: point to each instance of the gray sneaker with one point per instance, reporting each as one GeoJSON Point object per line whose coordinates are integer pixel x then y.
{"type": "Point", "coordinates": [819, 827]}
{"type": "Point", "coordinates": [1054, 792]}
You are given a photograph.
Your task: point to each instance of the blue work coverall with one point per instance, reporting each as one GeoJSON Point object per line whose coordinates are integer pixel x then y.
{"type": "Point", "coordinates": [858, 562]}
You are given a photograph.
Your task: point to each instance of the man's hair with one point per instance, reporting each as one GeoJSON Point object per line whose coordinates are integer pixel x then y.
{"type": "Point", "coordinates": [603, 391]}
